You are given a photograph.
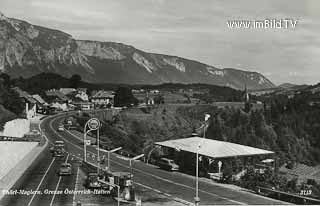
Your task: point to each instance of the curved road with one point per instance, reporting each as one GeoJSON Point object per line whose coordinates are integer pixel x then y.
{"type": "Point", "coordinates": [42, 177]}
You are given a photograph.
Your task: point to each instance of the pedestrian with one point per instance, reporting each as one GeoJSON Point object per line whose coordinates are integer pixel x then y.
{"type": "Point", "coordinates": [103, 160]}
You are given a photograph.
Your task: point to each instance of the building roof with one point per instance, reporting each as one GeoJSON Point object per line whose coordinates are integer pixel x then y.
{"type": "Point", "coordinates": [103, 94]}
{"type": "Point", "coordinates": [82, 90]}
{"type": "Point", "coordinates": [57, 93]}
{"type": "Point", "coordinates": [25, 95]}
{"type": "Point", "coordinates": [39, 99]}
{"type": "Point", "coordinates": [66, 91]}
{"type": "Point", "coordinates": [213, 148]}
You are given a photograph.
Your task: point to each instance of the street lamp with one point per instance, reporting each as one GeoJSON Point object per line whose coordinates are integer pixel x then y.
{"type": "Point", "coordinates": [109, 151]}
{"type": "Point", "coordinates": [197, 198]}
{"type": "Point", "coordinates": [132, 159]}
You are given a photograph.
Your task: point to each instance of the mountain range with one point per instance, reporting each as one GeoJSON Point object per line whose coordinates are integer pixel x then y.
{"type": "Point", "coordinates": [27, 50]}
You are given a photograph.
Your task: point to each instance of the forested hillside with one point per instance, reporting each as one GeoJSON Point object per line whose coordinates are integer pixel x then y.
{"type": "Point", "coordinates": [10, 103]}
{"type": "Point", "coordinates": [290, 127]}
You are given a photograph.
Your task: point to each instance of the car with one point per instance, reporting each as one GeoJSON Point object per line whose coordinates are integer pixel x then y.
{"type": "Point", "coordinates": [59, 143]}
{"type": "Point", "coordinates": [58, 152]}
{"type": "Point", "coordinates": [92, 181]}
{"type": "Point", "coordinates": [168, 164]}
{"type": "Point", "coordinates": [61, 128]}
{"type": "Point", "coordinates": [65, 169]}
{"type": "Point", "coordinates": [58, 149]}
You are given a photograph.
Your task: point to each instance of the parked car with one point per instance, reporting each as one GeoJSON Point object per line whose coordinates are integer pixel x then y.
{"type": "Point", "coordinates": [92, 181]}
{"type": "Point", "coordinates": [168, 164]}
{"type": "Point", "coordinates": [65, 169]}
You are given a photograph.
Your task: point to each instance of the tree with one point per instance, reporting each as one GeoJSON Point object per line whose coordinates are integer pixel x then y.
{"type": "Point", "coordinates": [6, 81]}
{"type": "Point", "coordinates": [75, 81]}
{"type": "Point", "coordinates": [10, 99]}
{"type": "Point", "coordinates": [124, 97]}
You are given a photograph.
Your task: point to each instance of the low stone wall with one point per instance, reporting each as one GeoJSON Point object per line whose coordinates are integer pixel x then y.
{"type": "Point", "coordinates": [15, 172]}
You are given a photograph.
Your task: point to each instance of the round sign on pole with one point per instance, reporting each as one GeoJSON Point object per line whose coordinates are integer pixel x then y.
{"type": "Point", "coordinates": [93, 124]}
{"type": "Point", "coordinates": [88, 142]}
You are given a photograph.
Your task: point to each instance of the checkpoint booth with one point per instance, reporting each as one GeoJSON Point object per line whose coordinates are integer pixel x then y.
{"type": "Point", "coordinates": [215, 155]}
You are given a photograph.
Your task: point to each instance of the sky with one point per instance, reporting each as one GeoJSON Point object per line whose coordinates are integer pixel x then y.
{"type": "Point", "coordinates": [194, 29]}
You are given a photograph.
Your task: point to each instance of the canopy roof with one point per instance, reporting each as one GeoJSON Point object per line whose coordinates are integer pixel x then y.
{"type": "Point", "coordinates": [213, 148]}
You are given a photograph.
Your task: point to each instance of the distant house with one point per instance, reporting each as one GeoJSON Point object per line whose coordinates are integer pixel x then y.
{"type": "Point", "coordinates": [83, 105]}
{"type": "Point", "coordinates": [102, 97]}
{"type": "Point", "coordinates": [82, 90]}
{"type": "Point", "coordinates": [145, 98]}
{"type": "Point", "coordinates": [138, 91]}
{"type": "Point", "coordinates": [193, 91]}
{"type": "Point", "coordinates": [57, 96]}
{"type": "Point", "coordinates": [154, 91]}
{"type": "Point", "coordinates": [25, 95]}
{"type": "Point", "coordinates": [261, 92]}
{"type": "Point", "coordinates": [39, 100]}
{"type": "Point", "coordinates": [82, 95]}
{"type": "Point", "coordinates": [67, 91]}
{"type": "Point", "coordinates": [149, 100]}
{"type": "Point", "coordinates": [30, 102]}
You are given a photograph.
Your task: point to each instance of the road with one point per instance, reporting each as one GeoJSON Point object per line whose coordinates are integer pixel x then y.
{"type": "Point", "coordinates": [179, 187]}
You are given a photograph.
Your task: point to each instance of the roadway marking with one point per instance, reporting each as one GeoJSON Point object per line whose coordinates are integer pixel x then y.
{"type": "Point", "coordinates": [45, 174]}
{"type": "Point", "coordinates": [54, 195]}
{"type": "Point", "coordinates": [166, 194]}
{"type": "Point", "coordinates": [75, 188]}
{"type": "Point", "coordinates": [147, 173]}
{"type": "Point", "coordinates": [166, 180]}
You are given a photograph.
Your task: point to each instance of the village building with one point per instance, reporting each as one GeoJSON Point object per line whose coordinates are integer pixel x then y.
{"type": "Point", "coordinates": [102, 97]}
{"type": "Point", "coordinates": [30, 102]}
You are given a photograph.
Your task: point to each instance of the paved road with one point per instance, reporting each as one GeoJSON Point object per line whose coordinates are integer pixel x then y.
{"type": "Point", "coordinates": [172, 184]}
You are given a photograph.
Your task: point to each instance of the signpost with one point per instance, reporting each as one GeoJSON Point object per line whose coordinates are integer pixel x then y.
{"type": "Point", "coordinates": [197, 198]}
{"type": "Point", "coordinates": [94, 125]}
{"type": "Point", "coordinates": [219, 167]}
{"type": "Point", "coordinates": [88, 142]}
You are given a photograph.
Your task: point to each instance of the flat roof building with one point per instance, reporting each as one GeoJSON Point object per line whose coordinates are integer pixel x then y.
{"type": "Point", "coordinates": [212, 148]}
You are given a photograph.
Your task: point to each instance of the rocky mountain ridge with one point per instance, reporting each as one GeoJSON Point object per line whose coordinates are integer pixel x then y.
{"type": "Point", "coordinates": [26, 50]}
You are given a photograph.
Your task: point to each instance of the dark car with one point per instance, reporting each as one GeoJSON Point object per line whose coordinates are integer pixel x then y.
{"type": "Point", "coordinates": [92, 181]}
{"type": "Point", "coordinates": [168, 164]}
{"type": "Point", "coordinates": [65, 169]}
{"type": "Point", "coordinates": [58, 151]}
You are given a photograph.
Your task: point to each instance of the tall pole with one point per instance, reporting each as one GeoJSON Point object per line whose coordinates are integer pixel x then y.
{"type": "Point", "coordinates": [84, 142]}
{"type": "Point", "coordinates": [118, 195]}
{"type": "Point", "coordinates": [108, 160]}
{"type": "Point", "coordinates": [197, 199]}
{"type": "Point", "coordinates": [98, 151]}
